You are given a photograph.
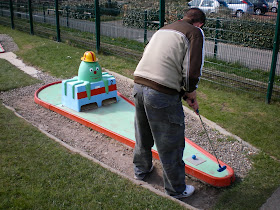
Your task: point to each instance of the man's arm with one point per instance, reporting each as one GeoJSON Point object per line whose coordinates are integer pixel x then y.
{"type": "Point", "coordinates": [193, 61]}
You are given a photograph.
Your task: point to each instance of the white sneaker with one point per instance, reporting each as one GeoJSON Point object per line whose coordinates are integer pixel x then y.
{"type": "Point", "coordinates": [188, 192]}
{"type": "Point", "coordinates": [142, 176]}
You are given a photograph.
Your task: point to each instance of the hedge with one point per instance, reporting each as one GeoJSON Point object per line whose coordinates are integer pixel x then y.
{"type": "Point", "coordinates": [239, 32]}
{"type": "Point", "coordinates": [230, 30]}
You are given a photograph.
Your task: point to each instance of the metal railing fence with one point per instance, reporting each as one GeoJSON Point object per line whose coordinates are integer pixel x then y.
{"type": "Point", "coordinates": [240, 51]}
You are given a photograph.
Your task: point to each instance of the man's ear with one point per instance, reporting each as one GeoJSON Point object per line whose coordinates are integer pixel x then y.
{"type": "Point", "coordinates": [198, 24]}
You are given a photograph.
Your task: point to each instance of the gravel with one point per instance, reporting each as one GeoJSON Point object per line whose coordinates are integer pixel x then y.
{"type": "Point", "coordinates": [113, 153]}
{"type": "Point", "coordinates": [7, 43]}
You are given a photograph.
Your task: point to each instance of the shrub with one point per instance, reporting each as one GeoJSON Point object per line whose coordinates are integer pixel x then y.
{"type": "Point", "coordinates": [245, 33]}
{"type": "Point", "coordinates": [136, 18]}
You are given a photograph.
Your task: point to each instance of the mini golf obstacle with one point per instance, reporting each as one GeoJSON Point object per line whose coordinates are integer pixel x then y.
{"type": "Point", "coordinates": [116, 120]}
{"type": "Point", "coordinates": [90, 86]}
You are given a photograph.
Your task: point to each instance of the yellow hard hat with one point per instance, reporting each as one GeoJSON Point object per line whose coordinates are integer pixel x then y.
{"type": "Point", "coordinates": [89, 56]}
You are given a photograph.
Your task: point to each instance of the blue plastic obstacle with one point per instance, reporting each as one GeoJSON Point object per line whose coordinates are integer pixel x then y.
{"type": "Point", "coordinates": [76, 95]}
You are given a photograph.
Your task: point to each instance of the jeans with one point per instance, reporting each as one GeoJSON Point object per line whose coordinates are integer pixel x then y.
{"type": "Point", "coordinates": [159, 120]}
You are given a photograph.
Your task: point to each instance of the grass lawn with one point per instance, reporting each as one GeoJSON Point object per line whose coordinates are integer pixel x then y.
{"type": "Point", "coordinates": [242, 114]}
{"type": "Point", "coordinates": [15, 78]}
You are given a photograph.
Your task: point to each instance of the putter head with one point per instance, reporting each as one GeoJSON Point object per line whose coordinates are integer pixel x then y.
{"type": "Point", "coordinates": [221, 168]}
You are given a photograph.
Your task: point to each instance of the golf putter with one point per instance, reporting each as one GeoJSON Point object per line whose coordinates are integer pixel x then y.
{"type": "Point", "coordinates": [221, 168]}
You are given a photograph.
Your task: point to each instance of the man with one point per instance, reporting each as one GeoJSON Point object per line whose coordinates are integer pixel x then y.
{"type": "Point", "coordinates": [170, 68]}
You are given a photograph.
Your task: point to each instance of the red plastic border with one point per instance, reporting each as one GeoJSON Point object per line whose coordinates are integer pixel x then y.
{"type": "Point", "coordinates": [214, 181]}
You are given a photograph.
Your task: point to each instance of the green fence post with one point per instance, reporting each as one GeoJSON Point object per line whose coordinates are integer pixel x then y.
{"type": "Point", "coordinates": [44, 13]}
{"type": "Point", "coordinates": [161, 13]}
{"type": "Point", "coordinates": [12, 14]}
{"type": "Point", "coordinates": [57, 21]}
{"type": "Point", "coordinates": [30, 17]}
{"type": "Point", "coordinates": [145, 26]}
{"type": "Point", "coordinates": [216, 37]}
{"type": "Point", "coordinates": [67, 16]}
{"type": "Point", "coordinates": [97, 25]}
{"type": "Point", "coordinates": [274, 59]}
{"type": "Point", "coordinates": [1, 9]}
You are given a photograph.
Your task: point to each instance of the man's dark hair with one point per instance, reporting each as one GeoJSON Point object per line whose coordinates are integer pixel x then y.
{"type": "Point", "coordinates": [195, 15]}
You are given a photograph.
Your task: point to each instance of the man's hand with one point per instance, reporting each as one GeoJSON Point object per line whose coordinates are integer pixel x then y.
{"type": "Point", "coordinates": [190, 98]}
